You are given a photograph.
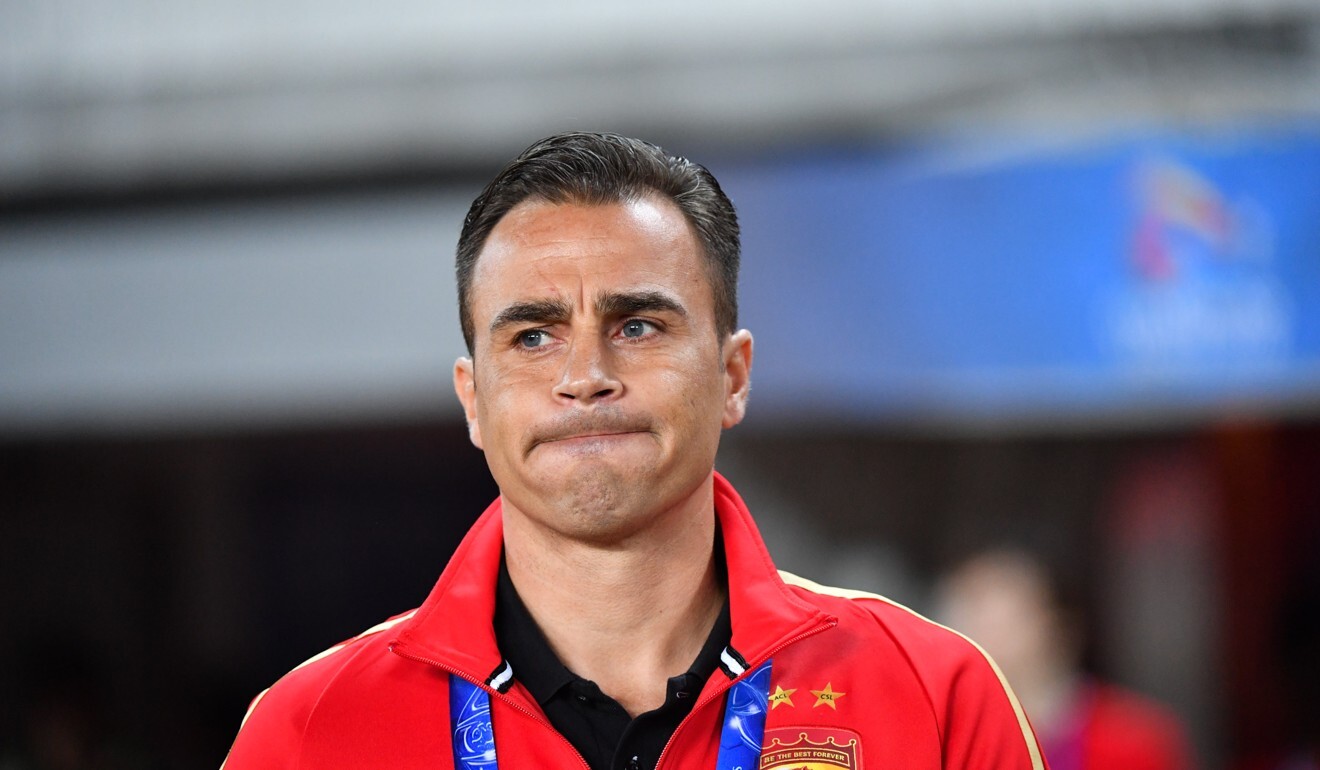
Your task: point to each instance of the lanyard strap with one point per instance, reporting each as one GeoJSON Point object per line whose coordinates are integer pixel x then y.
{"type": "Point", "coordinates": [744, 721]}
{"type": "Point", "coordinates": [740, 739]}
{"type": "Point", "coordinates": [469, 717]}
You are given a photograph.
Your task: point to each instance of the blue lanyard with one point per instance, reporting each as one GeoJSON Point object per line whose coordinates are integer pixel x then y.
{"type": "Point", "coordinates": [740, 739]}
{"type": "Point", "coordinates": [469, 717]}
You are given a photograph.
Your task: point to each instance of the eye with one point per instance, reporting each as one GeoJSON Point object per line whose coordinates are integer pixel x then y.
{"type": "Point", "coordinates": [533, 338]}
{"type": "Point", "coordinates": [637, 328]}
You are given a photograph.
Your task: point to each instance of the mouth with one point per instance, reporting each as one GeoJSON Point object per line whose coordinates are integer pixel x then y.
{"type": "Point", "coordinates": [591, 436]}
{"type": "Point", "coordinates": [595, 442]}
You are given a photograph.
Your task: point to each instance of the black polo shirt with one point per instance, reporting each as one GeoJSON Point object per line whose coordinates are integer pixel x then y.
{"type": "Point", "coordinates": [597, 726]}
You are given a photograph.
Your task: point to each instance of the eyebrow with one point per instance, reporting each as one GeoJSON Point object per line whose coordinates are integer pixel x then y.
{"type": "Point", "coordinates": [608, 304]}
{"type": "Point", "coordinates": [539, 312]}
{"type": "Point", "coordinates": [615, 304]}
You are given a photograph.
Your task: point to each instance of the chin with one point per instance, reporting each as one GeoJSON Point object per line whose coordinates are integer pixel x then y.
{"type": "Point", "coordinates": [599, 504]}
{"type": "Point", "coordinates": [599, 500]}
{"type": "Point", "coordinates": [603, 500]}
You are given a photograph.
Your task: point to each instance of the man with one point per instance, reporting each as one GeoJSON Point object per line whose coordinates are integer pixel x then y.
{"type": "Point", "coordinates": [615, 607]}
{"type": "Point", "coordinates": [1017, 607]}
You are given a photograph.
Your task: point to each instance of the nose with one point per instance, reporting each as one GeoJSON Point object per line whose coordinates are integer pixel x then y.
{"type": "Point", "coordinates": [587, 376]}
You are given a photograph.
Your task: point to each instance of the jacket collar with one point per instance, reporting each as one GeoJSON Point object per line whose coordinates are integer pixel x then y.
{"type": "Point", "coordinates": [453, 627]}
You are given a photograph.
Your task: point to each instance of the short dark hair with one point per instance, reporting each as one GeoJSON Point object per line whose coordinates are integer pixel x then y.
{"type": "Point", "coordinates": [601, 168]}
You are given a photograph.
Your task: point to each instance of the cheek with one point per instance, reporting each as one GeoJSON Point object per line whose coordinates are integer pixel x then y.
{"type": "Point", "coordinates": [674, 377]}
{"type": "Point", "coordinates": [511, 396]}
{"type": "Point", "coordinates": [505, 379]}
{"type": "Point", "coordinates": [695, 384]}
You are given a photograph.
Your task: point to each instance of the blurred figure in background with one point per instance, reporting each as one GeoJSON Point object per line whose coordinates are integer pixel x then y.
{"type": "Point", "coordinates": [1007, 601]}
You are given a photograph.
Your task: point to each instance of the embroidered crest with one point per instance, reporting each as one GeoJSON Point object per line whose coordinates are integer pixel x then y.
{"type": "Point", "coordinates": [811, 748]}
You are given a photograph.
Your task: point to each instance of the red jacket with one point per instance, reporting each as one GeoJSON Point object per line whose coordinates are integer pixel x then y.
{"type": "Point", "coordinates": [857, 681]}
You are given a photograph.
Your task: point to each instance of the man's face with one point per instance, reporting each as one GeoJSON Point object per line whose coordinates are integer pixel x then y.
{"type": "Point", "coordinates": [598, 386]}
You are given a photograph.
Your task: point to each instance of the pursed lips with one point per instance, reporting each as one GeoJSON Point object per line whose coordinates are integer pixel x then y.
{"type": "Point", "coordinates": [587, 438]}
{"type": "Point", "coordinates": [594, 435]}
{"type": "Point", "coordinates": [582, 429]}
{"type": "Point", "coordinates": [577, 436]}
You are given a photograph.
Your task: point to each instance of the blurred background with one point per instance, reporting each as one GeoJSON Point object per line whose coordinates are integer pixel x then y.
{"type": "Point", "coordinates": [1027, 275]}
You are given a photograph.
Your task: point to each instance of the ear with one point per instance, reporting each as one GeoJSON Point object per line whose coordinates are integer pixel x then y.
{"type": "Point", "coordinates": [465, 387]}
{"type": "Point", "coordinates": [737, 376]}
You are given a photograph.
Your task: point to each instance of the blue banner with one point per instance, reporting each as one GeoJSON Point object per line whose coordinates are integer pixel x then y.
{"type": "Point", "coordinates": [1144, 273]}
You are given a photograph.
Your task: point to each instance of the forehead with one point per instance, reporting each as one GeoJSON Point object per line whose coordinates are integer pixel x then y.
{"type": "Point", "coordinates": [573, 251]}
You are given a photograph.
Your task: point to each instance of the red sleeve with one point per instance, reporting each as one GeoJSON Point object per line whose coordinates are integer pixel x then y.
{"type": "Point", "coordinates": [983, 725]}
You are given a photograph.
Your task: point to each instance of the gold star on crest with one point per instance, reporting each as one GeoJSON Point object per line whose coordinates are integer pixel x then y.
{"type": "Point", "coordinates": [827, 696]}
{"type": "Point", "coordinates": [781, 697]}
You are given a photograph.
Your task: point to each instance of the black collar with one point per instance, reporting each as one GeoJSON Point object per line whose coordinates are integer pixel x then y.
{"type": "Point", "coordinates": [540, 670]}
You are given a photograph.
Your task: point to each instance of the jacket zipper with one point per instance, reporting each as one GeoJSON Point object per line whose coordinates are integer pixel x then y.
{"type": "Point", "coordinates": [505, 700]}
{"type": "Point", "coordinates": [660, 761]}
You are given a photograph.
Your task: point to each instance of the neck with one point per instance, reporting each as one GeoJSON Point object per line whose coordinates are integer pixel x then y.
{"type": "Point", "coordinates": [627, 615]}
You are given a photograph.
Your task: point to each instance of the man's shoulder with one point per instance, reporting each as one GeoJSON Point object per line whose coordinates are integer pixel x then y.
{"type": "Point", "coordinates": [878, 623]}
{"type": "Point", "coordinates": [979, 719]}
{"type": "Point", "coordinates": [277, 719]}
{"type": "Point", "coordinates": [318, 670]}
